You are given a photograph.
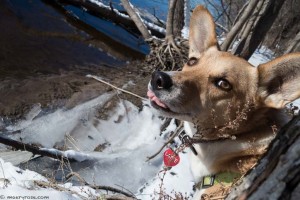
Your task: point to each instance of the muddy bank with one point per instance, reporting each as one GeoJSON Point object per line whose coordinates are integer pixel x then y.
{"type": "Point", "coordinates": [67, 89]}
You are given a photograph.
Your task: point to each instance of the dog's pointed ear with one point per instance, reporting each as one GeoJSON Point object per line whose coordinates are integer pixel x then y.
{"type": "Point", "coordinates": [279, 81]}
{"type": "Point", "coordinates": [202, 32]}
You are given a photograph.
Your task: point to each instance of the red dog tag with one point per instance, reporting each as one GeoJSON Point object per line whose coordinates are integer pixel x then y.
{"type": "Point", "coordinates": [171, 158]}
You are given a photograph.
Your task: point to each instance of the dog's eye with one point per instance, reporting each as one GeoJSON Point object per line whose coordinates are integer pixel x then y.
{"type": "Point", "coordinates": [223, 84]}
{"type": "Point", "coordinates": [192, 61]}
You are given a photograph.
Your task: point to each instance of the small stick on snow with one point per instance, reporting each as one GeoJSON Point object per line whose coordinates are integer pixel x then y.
{"type": "Point", "coordinates": [176, 133]}
{"type": "Point", "coordinates": [100, 187]}
{"type": "Point", "coordinates": [113, 86]}
{"type": "Point", "coordinates": [55, 186]}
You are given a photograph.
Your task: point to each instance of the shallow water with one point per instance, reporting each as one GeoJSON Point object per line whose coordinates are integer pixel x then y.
{"type": "Point", "coordinates": [40, 38]}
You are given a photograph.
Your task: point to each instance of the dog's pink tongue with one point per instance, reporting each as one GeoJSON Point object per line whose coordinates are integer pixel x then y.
{"type": "Point", "coordinates": [152, 97]}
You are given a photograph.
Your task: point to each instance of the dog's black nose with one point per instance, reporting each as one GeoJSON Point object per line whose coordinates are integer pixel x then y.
{"type": "Point", "coordinates": [161, 80]}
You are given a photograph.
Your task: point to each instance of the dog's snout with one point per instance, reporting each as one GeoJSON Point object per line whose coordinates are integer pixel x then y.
{"type": "Point", "coordinates": [161, 80]}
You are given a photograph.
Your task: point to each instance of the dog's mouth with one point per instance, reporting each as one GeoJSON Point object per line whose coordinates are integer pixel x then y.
{"type": "Point", "coordinates": [156, 102]}
{"type": "Point", "coordinates": [167, 111]}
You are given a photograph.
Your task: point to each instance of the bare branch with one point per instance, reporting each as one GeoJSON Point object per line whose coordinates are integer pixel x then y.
{"type": "Point", "coordinates": [248, 27]}
{"type": "Point", "coordinates": [222, 27]}
{"type": "Point", "coordinates": [137, 20]}
{"type": "Point", "coordinates": [176, 133]}
{"type": "Point", "coordinates": [240, 13]}
{"type": "Point", "coordinates": [45, 184]}
{"type": "Point", "coordinates": [59, 155]}
{"type": "Point", "coordinates": [208, 2]}
{"type": "Point", "coordinates": [100, 187]}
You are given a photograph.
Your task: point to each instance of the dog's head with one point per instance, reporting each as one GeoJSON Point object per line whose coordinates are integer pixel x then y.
{"type": "Point", "coordinates": [218, 82]}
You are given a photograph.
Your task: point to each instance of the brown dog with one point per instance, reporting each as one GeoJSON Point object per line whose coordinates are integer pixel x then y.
{"type": "Point", "coordinates": [231, 106]}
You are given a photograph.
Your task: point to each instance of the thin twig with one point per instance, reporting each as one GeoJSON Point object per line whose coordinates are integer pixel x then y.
{"type": "Point", "coordinates": [108, 188]}
{"type": "Point", "coordinates": [113, 86]}
{"type": "Point", "coordinates": [123, 188]}
{"type": "Point", "coordinates": [68, 177]}
{"type": "Point", "coordinates": [100, 187]}
{"type": "Point", "coordinates": [57, 187]}
{"type": "Point", "coordinates": [177, 131]}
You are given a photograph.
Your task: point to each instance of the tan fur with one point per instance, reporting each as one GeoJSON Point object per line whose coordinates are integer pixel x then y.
{"type": "Point", "coordinates": [249, 113]}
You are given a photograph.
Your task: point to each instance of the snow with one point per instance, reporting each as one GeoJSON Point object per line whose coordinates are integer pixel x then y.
{"type": "Point", "coordinates": [178, 180]}
{"type": "Point", "coordinates": [100, 4]}
{"type": "Point", "coordinates": [185, 32]}
{"type": "Point", "coordinates": [154, 26]}
{"type": "Point", "coordinates": [131, 135]}
{"type": "Point", "coordinates": [16, 183]}
{"type": "Point", "coordinates": [260, 56]}
{"type": "Point", "coordinates": [50, 129]}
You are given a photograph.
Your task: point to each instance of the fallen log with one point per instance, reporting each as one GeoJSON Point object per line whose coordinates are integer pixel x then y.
{"type": "Point", "coordinates": [36, 150]}
{"type": "Point", "coordinates": [111, 15]}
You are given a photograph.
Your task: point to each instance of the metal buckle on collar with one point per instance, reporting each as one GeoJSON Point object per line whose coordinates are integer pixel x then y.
{"type": "Point", "coordinates": [185, 139]}
{"type": "Point", "coordinates": [208, 181]}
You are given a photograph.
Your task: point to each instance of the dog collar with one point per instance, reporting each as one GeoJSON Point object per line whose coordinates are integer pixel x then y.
{"type": "Point", "coordinates": [188, 141]}
{"type": "Point", "coordinates": [226, 179]}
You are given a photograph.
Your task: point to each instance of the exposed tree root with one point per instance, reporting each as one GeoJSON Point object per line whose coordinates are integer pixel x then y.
{"type": "Point", "coordinates": [167, 55]}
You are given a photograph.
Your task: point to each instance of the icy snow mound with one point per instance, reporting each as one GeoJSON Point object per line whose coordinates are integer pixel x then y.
{"type": "Point", "coordinates": [128, 137]}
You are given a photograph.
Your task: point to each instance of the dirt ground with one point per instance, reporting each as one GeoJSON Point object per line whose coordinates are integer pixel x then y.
{"type": "Point", "coordinates": [67, 89]}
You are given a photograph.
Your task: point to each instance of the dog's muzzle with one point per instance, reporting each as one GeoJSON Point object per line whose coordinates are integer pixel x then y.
{"type": "Point", "coordinates": [161, 81]}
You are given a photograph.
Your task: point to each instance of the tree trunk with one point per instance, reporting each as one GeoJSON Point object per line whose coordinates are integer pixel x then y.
{"type": "Point", "coordinates": [170, 17]}
{"type": "Point", "coordinates": [294, 45]}
{"type": "Point", "coordinates": [248, 27]}
{"type": "Point", "coordinates": [136, 19]}
{"type": "Point", "coordinates": [178, 21]}
{"type": "Point", "coordinates": [277, 175]}
{"type": "Point", "coordinates": [239, 24]}
{"type": "Point", "coordinates": [264, 23]}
